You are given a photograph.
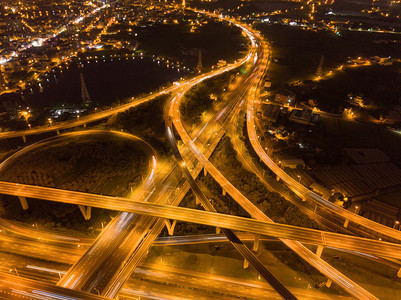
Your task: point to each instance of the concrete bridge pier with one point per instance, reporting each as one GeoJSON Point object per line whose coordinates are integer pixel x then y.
{"type": "Point", "coordinates": [246, 264]}
{"type": "Point", "coordinates": [319, 250]}
{"type": "Point", "coordinates": [278, 178]}
{"type": "Point", "coordinates": [24, 138]}
{"type": "Point", "coordinates": [399, 273]}
{"type": "Point", "coordinates": [23, 202]}
{"type": "Point", "coordinates": [86, 211]}
{"type": "Point", "coordinates": [346, 223]}
{"type": "Point", "coordinates": [256, 243]}
{"type": "Point", "coordinates": [58, 132]}
{"type": "Point", "coordinates": [329, 282]}
{"type": "Point", "coordinates": [170, 226]}
{"type": "Point", "coordinates": [204, 171]}
{"type": "Point", "coordinates": [224, 192]}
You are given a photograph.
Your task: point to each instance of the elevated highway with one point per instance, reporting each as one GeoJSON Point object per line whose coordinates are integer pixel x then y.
{"type": "Point", "coordinates": [303, 192]}
{"type": "Point", "coordinates": [15, 287]}
{"type": "Point", "coordinates": [263, 226]}
{"type": "Point", "coordinates": [304, 235]}
{"type": "Point", "coordinates": [297, 247]}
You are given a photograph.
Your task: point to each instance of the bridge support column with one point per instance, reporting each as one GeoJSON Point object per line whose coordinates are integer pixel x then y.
{"type": "Point", "coordinates": [217, 230]}
{"type": "Point", "coordinates": [58, 132]}
{"type": "Point", "coordinates": [24, 138]}
{"type": "Point", "coordinates": [86, 211]}
{"type": "Point", "coordinates": [278, 178]}
{"type": "Point", "coordinates": [204, 171]}
{"type": "Point", "coordinates": [85, 125]}
{"type": "Point", "coordinates": [319, 250]}
{"type": "Point", "coordinates": [197, 201]}
{"type": "Point", "coordinates": [346, 223]}
{"type": "Point", "coordinates": [256, 243]}
{"type": "Point", "coordinates": [246, 264]}
{"type": "Point", "coordinates": [329, 282]}
{"type": "Point", "coordinates": [224, 192]}
{"type": "Point", "coordinates": [170, 226]}
{"type": "Point", "coordinates": [303, 198]}
{"type": "Point", "coordinates": [23, 202]}
{"type": "Point", "coordinates": [399, 273]}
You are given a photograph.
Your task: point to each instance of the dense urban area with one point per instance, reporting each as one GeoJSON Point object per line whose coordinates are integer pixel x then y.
{"type": "Point", "coordinates": [200, 149]}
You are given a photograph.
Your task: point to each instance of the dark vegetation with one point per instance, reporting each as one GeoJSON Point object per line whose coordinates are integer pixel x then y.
{"type": "Point", "coordinates": [379, 86]}
{"type": "Point", "coordinates": [216, 40]}
{"type": "Point", "coordinates": [198, 100]}
{"type": "Point", "coordinates": [271, 203]}
{"type": "Point", "coordinates": [299, 51]}
{"type": "Point", "coordinates": [145, 121]}
{"type": "Point", "coordinates": [95, 165]}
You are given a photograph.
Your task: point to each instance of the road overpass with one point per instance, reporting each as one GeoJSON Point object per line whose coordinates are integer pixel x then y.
{"type": "Point", "coordinates": [209, 219]}
{"type": "Point", "coordinates": [297, 247]}
{"type": "Point", "coordinates": [306, 194]}
{"type": "Point", "coordinates": [15, 287]}
{"type": "Point", "coordinates": [128, 256]}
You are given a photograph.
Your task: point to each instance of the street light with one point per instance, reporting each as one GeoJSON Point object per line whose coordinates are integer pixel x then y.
{"type": "Point", "coordinates": [15, 269]}
{"type": "Point", "coordinates": [30, 126]}
{"type": "Point", "coordinates": [396, 223]}
{"type": "Point", "coordinates": [299, 178]}
{"type": "Point", "coordinates": [50, 121]}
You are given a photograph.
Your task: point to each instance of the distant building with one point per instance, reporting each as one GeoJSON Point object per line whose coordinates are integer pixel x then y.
{"type": "Point", "coordinates": [285, 97]}
{"type": "Point", "coordinates": [304, 116]}
{"type": "Point", "coordinates": [15, 25]}
{"type": "Point", "coordinates": [321, 190]}
{"type": "Point", "coordinates": [366, 155]}
{"type": "Point", "coordinates": [291, 162]}
{"type": "Point", "coordinates": [367, 173]}
{"type": "Point", "coordinates": [268, 82]}
{"type": "Point", "coordinates": [387, 61]}
{"type": "Point", "coordinates": [2, 81]}
{"type": "Point", "coordinates": [272, 112]}
{"type": "Point", "coordinates": [355, 100]}
{"type": "Point", "coordinates": [380, 212]}
{"type": "Point", "coordinates": [393, 116]}
{"type": "Point", "coordinates": [221, 63]}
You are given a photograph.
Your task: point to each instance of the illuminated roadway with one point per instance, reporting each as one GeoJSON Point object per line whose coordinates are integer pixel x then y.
{"type": "Point", "coordinates": [297, 247]}
{"type": "Point", "coordinates": [15, 287]}
{"type": "Point", "coordinates": [124, 204]}
{"type": "Point", "coordinates": [88, 118]}
{"type": "Point", "coordinates": [305, 235]}
{"type": "Point", "coordinates": [303, 191]}
{"type": "Point", "coordinates": [157, 273]}
{"type": "Point", "coordinates": [232, 237]}
{"type": "Point", "coordinates": [182, 187]}
{"type": "Point", "coordinates": [206, 218]}
{"type": "Point", "coordinates": [132, 249]}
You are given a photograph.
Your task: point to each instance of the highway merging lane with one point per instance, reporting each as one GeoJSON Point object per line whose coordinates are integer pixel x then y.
{"type": "Point", "coordinates": [304, 192]}
{"type": "Point", "coordinates": [233, 238]}
{"type": "Point", "coordinates": [132, 239]}
{"type": "Point", "coordinates": [207, 218]}
{"type": "Point", "coordinates": [302, 251]}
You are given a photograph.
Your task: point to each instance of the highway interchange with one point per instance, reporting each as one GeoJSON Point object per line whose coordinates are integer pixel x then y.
{"type": "Point", "coordinates": [115, 254]}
